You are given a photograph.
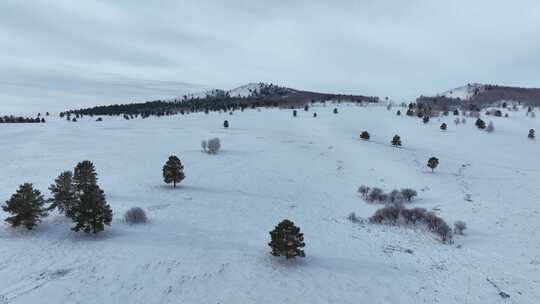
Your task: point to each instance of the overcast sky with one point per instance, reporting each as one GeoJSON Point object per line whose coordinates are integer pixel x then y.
{"type": "Point", "coordinates": [95, 52]}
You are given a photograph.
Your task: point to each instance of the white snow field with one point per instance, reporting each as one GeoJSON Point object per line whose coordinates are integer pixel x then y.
{"type": "Point", "coordinates": [206, 241]}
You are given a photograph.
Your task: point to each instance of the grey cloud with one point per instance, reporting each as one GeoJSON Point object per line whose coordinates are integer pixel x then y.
{"type": "Point", "coordinates": [401, 49]}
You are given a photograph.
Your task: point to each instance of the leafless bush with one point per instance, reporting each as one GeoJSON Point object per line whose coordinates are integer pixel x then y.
{"type": "Point", "coordinates": [408, 194]}
{"type": "Point", "coordinates": [354, 218]}
{"type": "Point", "coordinates": [459, 227]}
{"type": "Point", "coordinates": [397, 214]}
{"type": "Point", "coordinates": [214, 145]}
{"type": "Point", "coordinates": [376, 195]}
{"type": "Point", "coordinates": [135, 215]}
{"type": "Point", "coordinates": [363, 189]}
{"type": "Point", "coordinates": [395, 197]}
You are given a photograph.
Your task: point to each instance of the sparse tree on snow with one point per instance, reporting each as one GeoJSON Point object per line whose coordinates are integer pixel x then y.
{"type": "Point", "coordinates": [92, 211]}
{"type": "Point", "coordinates": [173, 171]}
{"type": "Point", "coordinates": [84, 175]}
{"type": "Point", "coordinates": [432, 163]}
{"type": "Point", "coordinates": [287, 240]}
{"type": "Point", "coordinates": [444, 126]}
{"type": "Point", "coordinates": [531, 134]}
{"type": "Point", "coordinates": [64, 193]}
{"type": "Point", "coordinates": [459, 227]}
{"type": "Point", "coordinates": [396, 141]}
{"type": "Point", "coordinates": [364, 135]}
{"type": "Point", "coordinates": [27, 207]}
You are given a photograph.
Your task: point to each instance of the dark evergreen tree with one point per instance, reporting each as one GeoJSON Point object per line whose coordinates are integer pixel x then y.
{"type": "Point", "coordinates": [396, 141]}
{"type": "Point", "coordinates": [432, 163]}
{"type": "Point", "coordinates": [64, 194]}
{"type": "Point", "coordinates": [84, 175]}
{"type": "Point", "coordinates": [425, 119]}
{"type": "Point", "coordinates": [306, 108]}
{"type": "Point", "coordinates": [480, 124]}
{"type": "Point", "coordinates": [173, 171]}
{"type": "Point", "coordinates": [294, 113]}
{"type": "Point", "coordinates": [314, 114]}
{"type": "Point", "coordinates": [456, 112]}
{"type": "Point", "coordinates": [287, 240]}
{"type": "Point", "coordinates": [410, 112]}
{"type": "Point", "coordinates": [398, 113]}
{"type": "Point", "coordinates": [226, 124]}
{"type": "Point", "coordinates": [335, 111]}
{"type": "Point", "coordinates": [27, 207]}
{"type": "Point", "coordinates": [444, 126]}
{"type": "Point", "coordinates": [364, 135]}
{"type": "Point", "coordinates": [531, 134]}
{"type": "Point", "coordinates": [92, 212]}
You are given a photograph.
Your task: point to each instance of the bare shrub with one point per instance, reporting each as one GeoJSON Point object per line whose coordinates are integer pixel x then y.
{"type": "Point", "coordinates": [397, 214]}
{"type": "Point", "coordinates": [395, 196]}
{"type": "Point", "coordinates": [203, 145]}
{"type": "Point", "coordinates": [135, 215]}
{"type": "Point", "coordinates": [459, 227]}
{"type": "Point", "coordinates": [214, 145]}
{"type": "Point", "coordinates": [376, 195]}
{"type": "Point", "coordinates": [354, 218]}
{"type": "Point", "coordinates": [387, 215]}
{"type": "Point", "coordinates": [363, 189]}
{"type": "Point", "coordinates": [408, 194]}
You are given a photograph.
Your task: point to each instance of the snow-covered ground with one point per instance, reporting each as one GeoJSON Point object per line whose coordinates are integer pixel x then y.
{"type": "Point", "coordinates": [206, 241]}
{"type": "Point", "coordinates": [464, 92]}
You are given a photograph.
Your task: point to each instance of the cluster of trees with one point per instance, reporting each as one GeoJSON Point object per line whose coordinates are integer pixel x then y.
{"type": "Point", "coordinates": [377, 195]}
{"type": "Point", "coordinates": [396, 214]}
{"type": "Point", "coordinates": [266, 95]}
{"type": "Point", "coordinates": [396, 140]}
{"type": "Point", "coordinates": [75, 194]}
{"type": "Point", "coordinates": [20, 119]}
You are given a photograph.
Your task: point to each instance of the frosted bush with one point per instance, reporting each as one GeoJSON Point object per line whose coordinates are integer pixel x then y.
{"type": "Point", "coordinates": [135, 215]}
{"type": "Point", "coordinates": [459, 227]}
{"type": "Point", "coordinates": [214, 145]}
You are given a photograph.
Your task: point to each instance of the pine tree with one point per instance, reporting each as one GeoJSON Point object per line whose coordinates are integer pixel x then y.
{"type": "Point", "coordinates": [173, 171]}
{"type": "Point", "coordinates": [27, 206]}
{"type": "Point", "coordinates": [64, 193]}
{"type": "Point", "coordinates": [84, 175]}
{"type": "Point", "coordinates": [314, 114]}
{"type": "Point", "coordinates": [396, 141]}
{"type": "Point", "coordinates": [398, 113]}
{"type": "Point", "coordinates": [425, 119]}
{"type": "Point", "coordinates": [432, 163]}
{"type": "Point", "coordinates": [531, 134]}
{"type": "Point", "coordinates": [364, 135]}
{"type": "Point", "coordinates": [294, 113]}
{"type": "Point", "coordinates": [480, 124]}
{"type": "Point", "coordinates": [335, 111]}
{"type": "Point", "coordinates": [456, 112]}
{"type": "Point", "coordinates": [443, 126]}
{"type": "Point", "coordinates": [226, 124]}
{"type": "Point", "coordinates": [92, 212]}
{"type": "Point", "coordinates": [287, 240]}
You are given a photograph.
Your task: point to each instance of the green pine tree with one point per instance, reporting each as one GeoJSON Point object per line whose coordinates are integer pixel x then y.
{"type": "Point", "coordinates": [27, 207]}
{"type": "Point", "coordinates": [64, 193]}
{"type": "Point", "coordinates": [92, 212]}
{"type": "Point", "coordinates": [84, 175]}
{"type": "Point", "coordinates": [287, 240]}
{"type": "Point", "coordinates": [173, 171]}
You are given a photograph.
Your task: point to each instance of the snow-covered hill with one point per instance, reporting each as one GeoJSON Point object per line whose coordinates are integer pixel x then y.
{"type": "Point", "coordinates": [464, 92]}
{"type": "Point", "coordinates": [206, 241]}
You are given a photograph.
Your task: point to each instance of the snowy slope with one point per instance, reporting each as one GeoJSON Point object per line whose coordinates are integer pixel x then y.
{"type": "Point", "coordinates": [464, 92]}
{"type": "Point", "coordinates": [207, 240]}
